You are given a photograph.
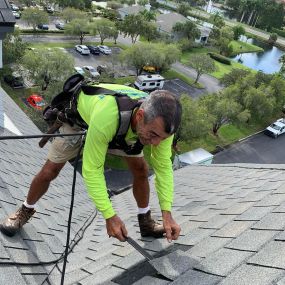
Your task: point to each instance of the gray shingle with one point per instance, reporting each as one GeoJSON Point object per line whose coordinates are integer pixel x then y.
{"type": "Point", "coordinates": [174, 264]}
{"type": "Point", "coordinates": [106, 274]}
{"type": "Point", "coordinates": [248, 274]}
{"type": "Point", "coordinates": [254, 214]}
{"type": "Point", "coordinates": [272, 221]}
{"type": "Point", "coordinates": [272, 255]}
{"type": "Point", "coordinates": [197, 278]}
{"type": "Point", "coordinates": [223, 261]}
{"type": "Point", "coordinates": [217, 222]}
{"type": "Point", "coordinates": [151, 281]}
{"type": "Point", "coordinates": [130, 260]}
{"type": "Point", "coordinates": [10, 275]}
{"type": "Point", "coordinates": [194, 236]}
{"type": "Point", "coordinates": [251, 240]}
{"type": "Point", "coordinates": [238, 208]}
{"type": "Point", "coordinates": [271, 200]}
{"type": "Point", "coordinates": [207, 246]}
{"type": "Point", "coordinates": [233, 229]}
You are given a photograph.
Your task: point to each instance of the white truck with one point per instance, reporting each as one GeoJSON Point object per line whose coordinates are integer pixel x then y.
{"type": "Point", "coordinates": [276, 129]}
{"type": "Point", "coordinates": [149, 82]}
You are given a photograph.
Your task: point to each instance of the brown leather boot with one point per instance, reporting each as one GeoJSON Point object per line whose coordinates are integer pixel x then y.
{"type": "Point", "coordinates": [149, 227]}
{"type": "Point", "coordinates": [14, 222]}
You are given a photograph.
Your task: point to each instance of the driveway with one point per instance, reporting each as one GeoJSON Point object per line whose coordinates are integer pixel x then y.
{"type": "Point", "coordinates": [179, 87]}
{"type": "Point", "coordinates": [256, 149]}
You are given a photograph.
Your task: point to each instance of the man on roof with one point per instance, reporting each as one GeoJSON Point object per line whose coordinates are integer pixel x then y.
{"type": "Point", "coordinates": [153, 122]}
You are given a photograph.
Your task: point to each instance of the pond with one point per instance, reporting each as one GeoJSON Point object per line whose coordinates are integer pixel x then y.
{"type": "Point", "coordinates": [267, 61]}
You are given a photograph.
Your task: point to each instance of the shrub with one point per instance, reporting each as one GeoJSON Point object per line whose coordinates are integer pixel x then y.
{"type": "Point", "coordinates": [279, 32]}
{"type": "Point", "coordinates": [220, 58]}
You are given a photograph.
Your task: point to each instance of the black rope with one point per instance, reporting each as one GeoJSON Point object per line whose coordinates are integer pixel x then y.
{"type": "Point", "coordinates": [39, 136]}
{"type": "Point", "coordinates": [70, 212]}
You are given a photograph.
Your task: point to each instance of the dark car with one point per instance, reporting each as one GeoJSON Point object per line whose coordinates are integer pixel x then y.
{"type": "Point", "coordinates": [44, 27]}
{"type": "Point", "coordinates": [14, 80]}
{"type": "Point", "coordinates": [94, 50]}
{"type": "Point", "coordinates": [59, 26]}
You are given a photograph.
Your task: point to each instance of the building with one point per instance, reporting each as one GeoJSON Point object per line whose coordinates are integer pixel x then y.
{"type": "Point", "coordinates": [165, 23]}
{"type": "Point", "coordinates": [130, 10]}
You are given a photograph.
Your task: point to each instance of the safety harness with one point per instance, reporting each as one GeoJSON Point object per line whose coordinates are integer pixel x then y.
{"type": "Point", "coordinates": [63, 109]}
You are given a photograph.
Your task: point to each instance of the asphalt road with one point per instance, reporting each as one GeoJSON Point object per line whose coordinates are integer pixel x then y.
{"type": "Point", "coordinates": [259, 149]}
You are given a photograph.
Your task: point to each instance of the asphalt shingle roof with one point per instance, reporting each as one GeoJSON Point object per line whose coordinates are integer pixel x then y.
{"type": "Point", "coordinates": [232, 219]}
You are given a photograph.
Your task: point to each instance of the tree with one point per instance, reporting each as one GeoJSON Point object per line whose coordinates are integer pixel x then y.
{"type": "Point", "coordinates": [104, 27]}
{"type": "Point", "coordinates": [150, 31]}
{"type": "Point", "coordinates": [69, 14]}
{"type": "Point", "coordinates": [217, 20]}
{"type": "Point", "coordinates": [148, 15]}
{"type": "Point", "coordinates": [221, 108]}
{"type": "Point", "coordinates": [194, 121]}
{"type": "Point", "coordinates": [238, 31]}
{"type": "Point", "coordinates": [233, 76]}
{"type": "Point", "coordinates": [155, 54]}
{"type": "Point", "coordinates": [77, 27]}
{"type": "Point", "coordinates": [272, 38]}
{"type": "Point", "coordinates": [188, 30]}
{"type": "Point", "coordinates": [282, 61]}
{"type": "Point", "coordinates": [34, 17]}
{"type": "Point", "coordinates": [202, 64]}
{"type": "Point", "coordinates": [78, 4]}
{"type": "Point", "coordinates": [13, 47]}
{"type": "Point", "coordinates": [223, 41]}
{"type": "Point", "coordinates": [48, 69]}
{"type": "Point", "coordinates": [133, 26]}
{"type": "Point", "coordinates": [183, 9]}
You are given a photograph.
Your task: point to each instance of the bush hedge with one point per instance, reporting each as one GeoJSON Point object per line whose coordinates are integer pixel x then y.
{"type": "Point", "coordinates": [279, 32]}
{"type": "Point", "coordinates": [32, 31]}
{"type": "Point", "coordinates": [220, 58]}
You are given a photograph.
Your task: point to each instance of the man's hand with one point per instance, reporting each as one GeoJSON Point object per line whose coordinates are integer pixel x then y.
{"type": "Point", "coordinates": [116, 228]}
{"type": "Point", "coordinates": [172, 229]}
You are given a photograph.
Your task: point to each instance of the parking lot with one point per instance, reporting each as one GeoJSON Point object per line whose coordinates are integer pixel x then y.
{"type": "Point", "coordinates": [111, 61]}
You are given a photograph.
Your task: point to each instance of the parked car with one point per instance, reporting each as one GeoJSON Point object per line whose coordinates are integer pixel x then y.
{"type": "Point", "coordinates": [82, 49]}
{"type": "Point", "coordinates": [276, 129]}
{"type": "Point", "coordinates": [94, 50]}
{"type": "Point", "coordinates": [14, 80]}
{"type": "Point", "coordinates": [36, 101]}
{"type": "Point", "coordinates": [44, 27]}
{"type": "Point", "coordinates": [50, 9]}
{"type": "Point", "coordinates": [79, 70]}
{"type": "Point", "coordinates": [59, 25]}
{"type": "Point", "coordinates": [91, 71]}
{"type": "Point", "coordinates": [105, 49]}
{"type": "Point", "coordinates": [150, 68]}
{"type": "Point", "coordinates": [16, 14]}
{"type": "Point", "coordinates": [14, 7]}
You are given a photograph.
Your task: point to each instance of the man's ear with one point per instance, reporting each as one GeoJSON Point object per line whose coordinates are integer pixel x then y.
{"type": "Point", "coordinates": [140, 115]}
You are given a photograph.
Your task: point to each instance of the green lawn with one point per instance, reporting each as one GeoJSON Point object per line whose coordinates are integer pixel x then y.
{"type": "Point", "coordinates": [226, 135]}
{"type": "Point", "coordinates": [72, 44]}
{"type": "Point", "coordinates": [171, 74]}
{"type": "Point", "coordinates": [242, 47]}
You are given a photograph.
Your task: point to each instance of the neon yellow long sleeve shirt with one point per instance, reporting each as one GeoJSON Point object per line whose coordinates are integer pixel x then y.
{"type": "Point", "coordinates": [101, 114]}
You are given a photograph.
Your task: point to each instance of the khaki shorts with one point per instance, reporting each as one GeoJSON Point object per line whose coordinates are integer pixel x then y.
{"type": "Point", "coordinates": [63, 149]}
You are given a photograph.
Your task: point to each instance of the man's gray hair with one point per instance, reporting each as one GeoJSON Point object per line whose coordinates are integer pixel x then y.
{"type": "Point", "coordinates": [162, 103]}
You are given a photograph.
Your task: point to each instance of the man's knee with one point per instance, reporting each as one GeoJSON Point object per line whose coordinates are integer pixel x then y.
{"type": "Point", "coordinates": [50, 171]}
{"type": "Point", "coordinates": [139, 168]}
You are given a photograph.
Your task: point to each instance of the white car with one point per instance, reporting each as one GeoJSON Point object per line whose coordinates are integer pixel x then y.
{"type": "Point", "coordinates": [14, 7]}
{"type": "Point", "coordinates": [276, 129]}
{"type": "Point", "coordinates": [82, 49]}
{"type": "Point", "coordinates": [79, 70]}
{"type": "Point", "coordinates": [105, 49]}
{"type": "Point", "coordinates": [16, 15]}
{"type": "Point", "coordinates": [91, 71]}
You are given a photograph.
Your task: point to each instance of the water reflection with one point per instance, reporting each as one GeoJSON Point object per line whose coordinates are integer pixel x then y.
{"type": "Point", "coordinates": [267, 61]}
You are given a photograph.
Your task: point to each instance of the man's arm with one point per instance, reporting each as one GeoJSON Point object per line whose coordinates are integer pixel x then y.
{"type": "Point", "coordinates": [162, 165]}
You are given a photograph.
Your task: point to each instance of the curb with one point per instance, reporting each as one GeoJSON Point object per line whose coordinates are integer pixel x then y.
{"type": "Point", "coordinates": [240, 140]}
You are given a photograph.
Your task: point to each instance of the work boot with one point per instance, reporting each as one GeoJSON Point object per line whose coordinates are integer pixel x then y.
{"type": "Point", "coordinates": [149, 227]}
{"type": "Point", "coordinates": [15, 221]}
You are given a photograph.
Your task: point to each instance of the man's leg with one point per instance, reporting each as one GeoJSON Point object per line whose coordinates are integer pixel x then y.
{"type": "Point", "coordinates": [139, 169]}
{"type": "Point", "coordinates": [41, 181]}
{"type": "Point", "coordinates": [38, 188]}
